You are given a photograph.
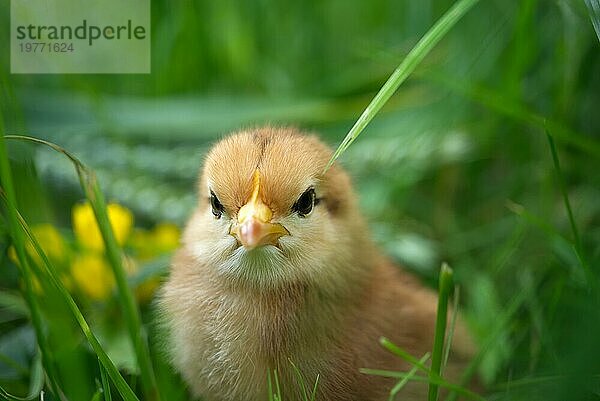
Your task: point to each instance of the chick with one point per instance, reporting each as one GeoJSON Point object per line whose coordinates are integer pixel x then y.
{"type": "Point", "coordinates": [276, 266]}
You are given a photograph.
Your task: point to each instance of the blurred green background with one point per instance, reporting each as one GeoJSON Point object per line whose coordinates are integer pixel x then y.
{"type": "Point", "coordinates": [456, 167]}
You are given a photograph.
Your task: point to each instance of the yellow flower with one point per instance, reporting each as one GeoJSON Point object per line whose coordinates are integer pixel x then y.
{"type": "Point", "coordinates": [49, 239]}
{"type": "Point", "coordinates": [87, 231]}
{"type": "Point", "coordinates": [93, 275]}
{"type": "Point", "coordinates": [166, 237]}
{"type": "Point", "coordinates": [163, 238]}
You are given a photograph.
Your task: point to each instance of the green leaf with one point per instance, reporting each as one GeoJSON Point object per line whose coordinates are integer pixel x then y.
{"type": "Point", "coordinates": [17, 347]}
{"type": "Point", "coordinates": [14, 303]}
{"type": "Point", "coordinates": [36, 383]}
{"type": "Point", "coordinates": [563, 189]}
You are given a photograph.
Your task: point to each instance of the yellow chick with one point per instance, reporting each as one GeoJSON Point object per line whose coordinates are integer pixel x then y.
{"type": "Point", "coordinates": [276, 266]}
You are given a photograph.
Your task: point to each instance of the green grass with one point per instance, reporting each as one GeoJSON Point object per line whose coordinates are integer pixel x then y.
{"type": "Point", "coordinates": [479, 149]}
{"type": "Point", "coordinates": [408, 65]}
{"type": "Point", "coordinates": [19, 224]}
{"type": "Point", "coordinates": [594, 10]}
{"type": "Point", "coordinates": [444, 290]}
{"type": "Point", "coordinates": [19, 244]}
{"type": "Point", "coordinates": [273, 388]}
{"type": "Point", "coordinates": [563, 189]}
{"type": "Point", "coordinates": [440, 351]}
{"type": "Point", "coordinates": [404, 381]}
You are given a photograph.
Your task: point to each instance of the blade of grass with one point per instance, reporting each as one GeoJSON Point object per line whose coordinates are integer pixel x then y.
{"type": "Point", "coordinates": [536, 221]}
{"type": "Point", "coordinates": [450, 336]}
{"type": "Point", "coordinates": [425, 379]}
{"type": "Point", "coordinates": [132, 313]}
{"type": "Point", "coordinates": [120, 383]}
{"type": "Point", "coordinates": [563, 189]}
{"type": "Point", "coordinates": [542, 224]}
{"type": "Point", "coordinates": [273, 396]}
{"type": "Point", "coordinates": [594, 11]}
{"type": "Point", "coordinates": [36, 383]}
{"type": "Point", "coordinates": [396, 350]}
{"type": "Point", "coordinates": [313, 394]}
{"type": "Point", "coordinates": [16, 366]}
{"type": "Point", "coordinates": [406, 67]}
{"type": "Point", "coordinates": [445, 287]}
{"type": "Point", "coordinates": [19, 245]}
{"type": "Point", "coordinates": [277, 388]}
{"type": "Point", "coordinates": [502, 320]}
{"type": "Point", "coordinates": [516, 111]}
{"type": "Point", "coordinates": [14, 303]}
{"type": "Point", "coordinates": [97, 396]}
{"type": "Point", "coordinates": [270, 386]}
{"type": "Point", "coordinates": [396, 389]}
{"type": "Point", "coordinates": [531, 381]}
{"type": "Point", "coordinates": [93, 193]}
{"type": "Point", "coordinates": [105, 384]}
{"type": "Point", "coordinates": [300, 380]}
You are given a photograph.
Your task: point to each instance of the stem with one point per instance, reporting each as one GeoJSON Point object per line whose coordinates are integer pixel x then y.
{"type": "Point", "coordinates": [130, 309]}
{"type": "Point", "coordinates": [445, 287]}
{"type": "Point", "coordinates": [563, 189]}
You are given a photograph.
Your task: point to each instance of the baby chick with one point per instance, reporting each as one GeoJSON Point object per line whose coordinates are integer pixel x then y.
{"type": "Point", "coordinates": [276, 267]}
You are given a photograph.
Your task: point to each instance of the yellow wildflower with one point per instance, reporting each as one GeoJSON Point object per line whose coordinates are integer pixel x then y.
{"type": "Point", "coordinates": [93, 275]}
{"type": "Point", "coordinates": [53, 245]}
{"type": "Point", "coordinates": [166, 237]}
{"type": "Point", "coordinates": [87, 231]}
{"type": "Point", "coordinates": [163, 238]}
{"type": "Point", "coordinates": [49, 239]}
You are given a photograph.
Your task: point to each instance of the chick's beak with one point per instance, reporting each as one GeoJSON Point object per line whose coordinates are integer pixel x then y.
{"type": "Point", "coordinates": [253, 227]}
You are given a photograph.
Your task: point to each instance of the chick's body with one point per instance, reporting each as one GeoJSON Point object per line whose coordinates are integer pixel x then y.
{"type": "Point", "coordinates": [277, 267]}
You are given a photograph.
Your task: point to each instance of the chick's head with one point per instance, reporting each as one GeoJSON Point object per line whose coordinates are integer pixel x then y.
{"type": "Point", "coordinates": [268, 214]}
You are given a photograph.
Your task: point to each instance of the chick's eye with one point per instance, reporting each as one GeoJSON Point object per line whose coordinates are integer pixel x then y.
{"type": "Point", "coordinates": [304, 205]}
{"type": "Point", "coordinates": [217, 207]}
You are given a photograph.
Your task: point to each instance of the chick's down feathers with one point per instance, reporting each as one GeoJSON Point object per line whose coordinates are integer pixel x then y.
{"type": "Point", "coordinates": [277, 267]}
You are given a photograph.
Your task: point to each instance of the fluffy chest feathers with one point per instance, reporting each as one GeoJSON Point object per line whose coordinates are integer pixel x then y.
{"type": "Point", "coordinates": [225, 339]}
